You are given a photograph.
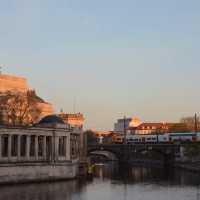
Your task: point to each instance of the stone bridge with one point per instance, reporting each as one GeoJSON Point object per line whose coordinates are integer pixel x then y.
{"type": "Point", "coordinates": [124, 153]}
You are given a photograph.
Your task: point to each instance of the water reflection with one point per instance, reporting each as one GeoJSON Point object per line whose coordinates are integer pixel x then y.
{"type": "Point", "coordinates": [113, 182]}
{"type": "Point", "coordinates": [44, 191]}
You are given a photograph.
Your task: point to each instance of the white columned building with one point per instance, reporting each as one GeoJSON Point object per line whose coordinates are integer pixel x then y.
{"type": "Point", "coordinates": [47, 151]}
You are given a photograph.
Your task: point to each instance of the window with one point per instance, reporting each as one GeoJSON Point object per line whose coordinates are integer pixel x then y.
{"type": "Point", "coordinates": [40, 145]}
{"type": "Point", "coordinates": [14, 145]}
{"type": "Point", "coordinates": [4, 145]}
{"type": "Point", "coordinates": [23, 145]}
{"type": "Point", "coordinates": [32, 145]}
{"type": "Point", "coordinates": [62, 146]}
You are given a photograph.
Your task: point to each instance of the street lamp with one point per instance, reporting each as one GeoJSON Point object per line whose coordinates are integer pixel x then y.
{"type": "Point", "coordinates": [195, 123]}
{"type": "Point", "coordinates": [125, 142]}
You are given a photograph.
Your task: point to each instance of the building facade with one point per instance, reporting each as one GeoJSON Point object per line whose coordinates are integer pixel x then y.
{"type": "Point", "coordinates": [75, 120]}
{"type": "Point", "coordinates": [49, 150]}
{"type": "Point", "coordinates": [151, 128]}
{"type": "Point", "coordinates": [126, 124]}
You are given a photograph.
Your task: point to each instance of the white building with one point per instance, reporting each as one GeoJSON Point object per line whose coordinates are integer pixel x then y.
{"type": "Point", "coordinates": [47, 151]}
{"type": "Point", "coordinates": [126, 124]}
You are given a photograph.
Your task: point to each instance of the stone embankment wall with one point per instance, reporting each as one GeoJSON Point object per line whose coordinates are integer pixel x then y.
{"type": "Point", "coordinates": [22, 173]}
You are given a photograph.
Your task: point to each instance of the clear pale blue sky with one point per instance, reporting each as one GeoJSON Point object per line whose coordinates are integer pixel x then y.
{"type": "Point", "coordinates": [131, 57]}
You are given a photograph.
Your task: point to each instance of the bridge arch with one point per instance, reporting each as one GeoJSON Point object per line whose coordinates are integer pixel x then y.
{"type": "Point", "coordinates": [104, 153]}
{"type": "Point", "coordinates": [114, 151]}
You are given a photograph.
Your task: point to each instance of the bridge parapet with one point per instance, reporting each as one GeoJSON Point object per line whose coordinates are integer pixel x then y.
{"type": "Point", "coordinates": [125, 152]}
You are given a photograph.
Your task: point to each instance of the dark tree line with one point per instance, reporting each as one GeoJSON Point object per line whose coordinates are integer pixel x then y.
{"type": "Point", "coordinates": [91, 137]}
{"type": "Point", "coordinates": [190, 123]}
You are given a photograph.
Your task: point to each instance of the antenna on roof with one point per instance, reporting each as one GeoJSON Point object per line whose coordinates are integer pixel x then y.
{"type": "Point", "coordinates": [125, 133]}
{"type": "Point", "coordinates": [74, 105]}
{"type": "Point", "coordinates": [195, 123]}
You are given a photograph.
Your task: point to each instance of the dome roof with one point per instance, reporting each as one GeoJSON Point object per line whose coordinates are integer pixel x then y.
{"type": "Point", "coordinates": [51, 119]}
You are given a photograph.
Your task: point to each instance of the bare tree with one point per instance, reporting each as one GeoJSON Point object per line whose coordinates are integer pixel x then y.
{"type": "Point", "coordinates": [190, 123]}
{"type": "Point", "coordinates": [179, 128]}
{"type": "Point", "coordinates": [19, 108]}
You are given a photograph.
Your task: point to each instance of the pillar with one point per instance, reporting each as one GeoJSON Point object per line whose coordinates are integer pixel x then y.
{"type": "Point", "coordinates": [44, 148]}
{"type": "Point", "coordinates": [28, 147]}
{"type": "Point", "coordinates": [0, 149]}
{"type": "Point", "coordinates": [9, 147]}
{"type": "Point", "coordinates": [52, 149]}
{"type": "Point", "coordinates": [36, 147]}
{"type": "Point", "coordinates": [56, 140]}
{"type": "Point", "coordinates": [18, 147]}
{"type": "Point", "coordinates": [68, 147]}
{"type": "Point", "coordinates": [66, 150]}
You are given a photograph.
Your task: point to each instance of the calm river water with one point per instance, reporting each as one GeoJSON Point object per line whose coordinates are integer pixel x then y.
{"type": "Point", "coordinates": [113, 183]}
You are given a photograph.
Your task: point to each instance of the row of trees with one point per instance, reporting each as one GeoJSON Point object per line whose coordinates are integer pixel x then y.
{"type": "Point", "coordinates": [91, 137]}
{"type": "Point", "coordinates": [187, 124]}
{"type": "Point", "coordinates": [23, 109]}
{"type": "Point", "coordinates": [19, 108]}
{"type": "Point", "coordinates": [179, 128]}
{"type": "Point", "coordinates": [190, 122]}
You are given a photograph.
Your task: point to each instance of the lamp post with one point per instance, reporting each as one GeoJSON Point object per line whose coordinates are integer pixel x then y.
{"type": "Point", "coordinates": [125, 141]}
{"type": "Point", "coordinates": [125, 157]}
{"type": "Point", "coordinates": [157, 133]}
{"type": "Point", "coordinates": [195, 123]}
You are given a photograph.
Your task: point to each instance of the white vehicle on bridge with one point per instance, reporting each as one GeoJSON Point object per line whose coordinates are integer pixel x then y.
{"type": "Point", "coordinates": [183, 137]}
{"type": "Point", "coordinates": [150, 138]}
{"type": "Point", "coordinates": [161, 138]}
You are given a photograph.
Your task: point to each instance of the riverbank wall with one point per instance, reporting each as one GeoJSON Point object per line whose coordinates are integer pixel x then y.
{"type": "Point", "coordinates": [37, 172]}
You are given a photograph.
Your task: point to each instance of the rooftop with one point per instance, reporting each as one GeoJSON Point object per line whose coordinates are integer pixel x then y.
{"type": "Point", "coordinates": [51, 119]}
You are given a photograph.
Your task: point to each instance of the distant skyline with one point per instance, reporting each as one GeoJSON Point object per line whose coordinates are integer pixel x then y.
{"type": "Point", "coordinates": [116, 58]}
